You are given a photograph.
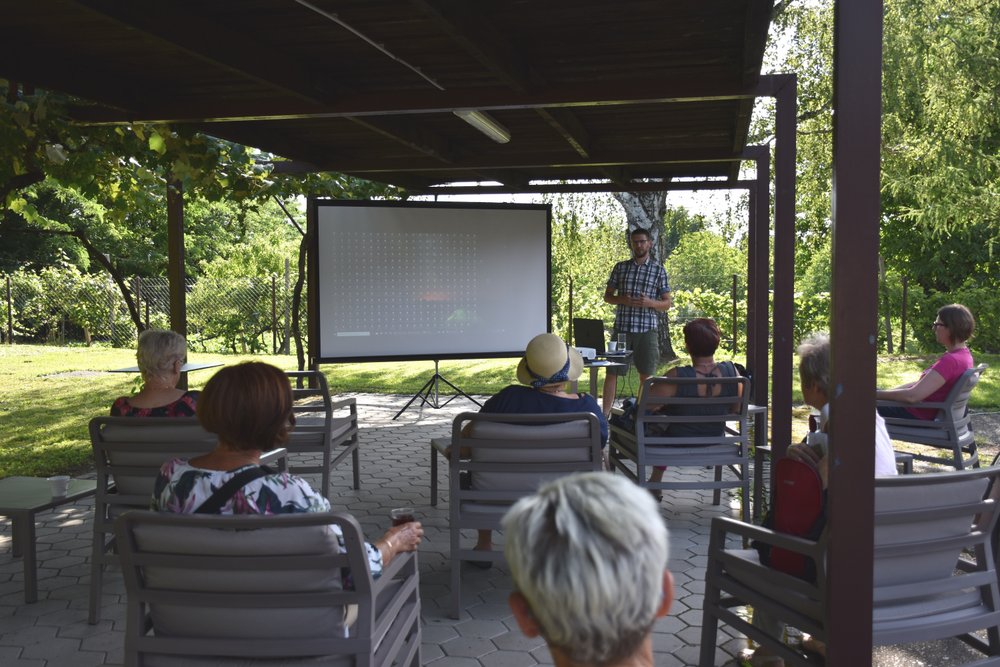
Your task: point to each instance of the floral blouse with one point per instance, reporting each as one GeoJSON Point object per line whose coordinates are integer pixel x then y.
{"type": "Point", "coordinates": [182, 407]}
{"type": "Point", "coordinates": [182, 488]}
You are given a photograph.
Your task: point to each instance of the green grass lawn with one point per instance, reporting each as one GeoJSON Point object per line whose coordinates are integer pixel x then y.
{"type": "Point", "coordinates": [48, 394]}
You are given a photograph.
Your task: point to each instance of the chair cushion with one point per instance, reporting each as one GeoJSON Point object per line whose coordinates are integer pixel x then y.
{"type": "Point", "coordinates": [525, 481]}
{"type": "Point", "coordinates": [500, 430]}
{"type": "Point", "coordinates": [925, 564]}
{"type": "Point", "coordinates": [177, 430]}
{"type": "Point", "coordinates": [236, 622]}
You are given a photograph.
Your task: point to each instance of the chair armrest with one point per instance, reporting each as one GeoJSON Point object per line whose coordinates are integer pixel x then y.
{"type": "Point", "coordinates": [393, 569]}
{"type": "Point", "coordinates": [348, 402]}
{"type": "Point", "coordinates": [927, 405]}
{"type": "Point", "coordinates": [441, 445]}
{"type": "Point", "coordinates": [277, 456]}
{"type": "Point", "coordinates": [749, 531]}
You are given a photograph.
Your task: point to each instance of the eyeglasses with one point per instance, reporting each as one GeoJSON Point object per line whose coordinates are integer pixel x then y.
{"type": "Point", "coordinates": [935, 325]}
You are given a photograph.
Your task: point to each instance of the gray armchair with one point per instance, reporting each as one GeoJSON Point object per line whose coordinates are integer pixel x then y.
{"type": "Point", "coordinates": [128, 453]}
{"type": "Point", "coordinates": [509, 457]}
{"type": "Point", "coordinates": [934, 570]}
{"type": "Point", "coordinates": [208, 590]}
{"type": "Point", "coordinates": [634, 453]}
{"type": "Point", "coordinates": [950, 430]}
{"type": "Point", "coordinates": [322, 426]}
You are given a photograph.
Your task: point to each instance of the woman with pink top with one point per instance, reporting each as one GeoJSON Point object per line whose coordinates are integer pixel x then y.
{"type": "Point", "coordinates": [953, 327]}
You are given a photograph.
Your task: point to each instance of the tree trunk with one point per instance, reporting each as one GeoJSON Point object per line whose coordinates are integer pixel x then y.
{"type": "Point", "coordinates": [98, 256]}
{"type": "Point", "coordinates": [300, 280]}
{"type": "Point", "coordinates": [884, 289]}
{"type": "Point", "coordinates": [646, 210]}
{"type": "Point", "coordinates": [297, 300]}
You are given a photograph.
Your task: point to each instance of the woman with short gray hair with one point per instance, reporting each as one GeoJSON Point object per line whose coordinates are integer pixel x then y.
{"type": "Point", "coordinates": [588, 557]}
{"type": "Point", "coordinates": [160, 355]}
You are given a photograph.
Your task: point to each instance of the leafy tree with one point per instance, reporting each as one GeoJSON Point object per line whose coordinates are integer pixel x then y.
{"type": "Point", "coordinates": [105, 187]}
{"type": "Point", "coordinates": [940, 146]}
{"type": "Point", "coordinates": [585, 244]}
{"type": "Point", "coordinates": [704, 260]}
{"type": "Point", "coordinates": [231, 302]}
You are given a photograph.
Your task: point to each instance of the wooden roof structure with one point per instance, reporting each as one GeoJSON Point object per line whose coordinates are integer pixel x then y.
{"type": "Point", "coordinates": [610, 92]}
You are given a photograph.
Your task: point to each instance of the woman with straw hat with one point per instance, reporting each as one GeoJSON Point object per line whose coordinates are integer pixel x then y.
{"type": "Point", "coordinates": [548, 364]}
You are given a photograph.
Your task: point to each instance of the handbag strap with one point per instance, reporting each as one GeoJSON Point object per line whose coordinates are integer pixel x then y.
{"type": "Point", "coordinates": [214, 503]}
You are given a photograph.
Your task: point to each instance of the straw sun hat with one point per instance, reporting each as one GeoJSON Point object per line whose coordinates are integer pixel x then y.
{"type": "Point", "coordinates": [547, 360]}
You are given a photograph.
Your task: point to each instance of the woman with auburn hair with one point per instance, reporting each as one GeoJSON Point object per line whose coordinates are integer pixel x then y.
{"type": "Point", "coordinates": [701, 338]}
{"type": "Point", "coordinates": [160, 355]}
{"type": "Point", "coordinates": [249, 407]}
{"type": "Point", "coordinates": [953, 327]}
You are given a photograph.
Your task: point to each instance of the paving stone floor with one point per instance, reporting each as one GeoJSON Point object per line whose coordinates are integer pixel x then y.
{"type": "Point", "coordinates": [395, 459]}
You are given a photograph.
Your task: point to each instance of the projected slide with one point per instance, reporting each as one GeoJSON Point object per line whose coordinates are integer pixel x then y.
{"type": "Point", "coordinates": [428, 281]}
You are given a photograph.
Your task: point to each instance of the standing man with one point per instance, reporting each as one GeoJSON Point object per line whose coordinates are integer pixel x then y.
{"type": "Point", "coordinates": [639, 288]}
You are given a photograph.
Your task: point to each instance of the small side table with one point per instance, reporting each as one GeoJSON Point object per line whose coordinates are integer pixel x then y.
{"type": "Point", "coordinates": [186, 368]}
{"type": "Point", "coordinates": [596, 365]}
{"type": "Point", "coordinates": [20, 499]}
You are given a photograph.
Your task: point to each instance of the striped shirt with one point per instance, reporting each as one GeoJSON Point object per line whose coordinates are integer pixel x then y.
{"type": "Point", "coordinates": [629, 278]}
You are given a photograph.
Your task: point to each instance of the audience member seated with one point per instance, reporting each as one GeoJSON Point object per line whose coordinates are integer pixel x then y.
{"type": "Point", "coordinates": [953, 327]}
{"type": "Point", "coordinates": [249, 407]}
{"type": "Point", "coordinates": [588, 560]}
{"type": "Point", "coordinates": [160, 355]}
{"type": "Point", "coordinates": [701, 339]}
{"type": "Point", "coordinates": [814, 376]}
{"type": "Point", "coordinates": [548, 364]}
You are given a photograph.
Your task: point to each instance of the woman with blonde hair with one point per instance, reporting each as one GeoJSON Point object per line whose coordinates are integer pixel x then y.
{"type": "Point", "coordinates": [160, 355]}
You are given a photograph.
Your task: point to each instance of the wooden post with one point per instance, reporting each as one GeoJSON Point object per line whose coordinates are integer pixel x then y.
{"type": "Point", "coordinates": [735, 326]}
{"type": "Point", "coordinates": [857, 99]}
{"type": "Point", "coordinates": [784, 264]}
{"type": "Point", "coordinates": [10, 315]}
{"type": "Point", "coordinates": [902, 315]}
{"type": "Point", "coordinates": [569, 324]}
{"type": "Point", "coordinates": [274, 314]}
{"type": "Point", "coordinates": [175, 262]}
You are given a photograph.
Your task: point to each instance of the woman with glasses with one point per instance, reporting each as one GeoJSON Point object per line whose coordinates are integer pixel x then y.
{"type": "Point", "coordinates": [953, 327]}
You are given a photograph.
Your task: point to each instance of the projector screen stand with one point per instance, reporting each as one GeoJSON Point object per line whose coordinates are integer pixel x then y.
{"type": "Point", "coordinates": [432, 386]}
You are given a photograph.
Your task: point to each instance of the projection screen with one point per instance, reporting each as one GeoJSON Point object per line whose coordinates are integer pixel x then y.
{"type": "Point", "coordinates": [422, 280]}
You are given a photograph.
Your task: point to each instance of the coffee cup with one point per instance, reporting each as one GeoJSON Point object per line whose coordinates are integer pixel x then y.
{"type": "Point", "coordinates": [612, 346]}
{"type": "Point", "coordinates": [59, 485]}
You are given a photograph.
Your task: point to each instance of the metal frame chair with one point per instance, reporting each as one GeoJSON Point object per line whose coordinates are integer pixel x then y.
{"type": "Point", "coordinates": [729, 450]}
{"type": "Point", "coordinates": [326, 433]}
{"type": "Point", "coordinates": [510, 456]}
{"type": "Point", "coordinates": [951, 430]}
{"type": "Point", "coordinates": [204, 588]}
{"type": "Point", "coordinates": [925, 586]}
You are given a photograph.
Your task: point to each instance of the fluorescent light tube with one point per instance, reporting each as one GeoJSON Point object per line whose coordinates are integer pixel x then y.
{"type": "Point", "coordinates": [485, 124]}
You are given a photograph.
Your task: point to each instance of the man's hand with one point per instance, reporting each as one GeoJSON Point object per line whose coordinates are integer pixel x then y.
{"type": "Point", "coordinates": [638, 301]}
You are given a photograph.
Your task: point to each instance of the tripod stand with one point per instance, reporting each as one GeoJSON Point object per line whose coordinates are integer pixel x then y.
{"type": "Point", "coordinates": [432, 385]}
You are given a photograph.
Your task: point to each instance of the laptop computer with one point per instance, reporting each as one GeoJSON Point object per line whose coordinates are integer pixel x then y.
{"type": "Point", "coordinates": [589, 333]}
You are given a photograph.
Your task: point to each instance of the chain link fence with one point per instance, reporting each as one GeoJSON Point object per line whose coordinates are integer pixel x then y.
{"type": "Point", "coordinates": [61, 305]}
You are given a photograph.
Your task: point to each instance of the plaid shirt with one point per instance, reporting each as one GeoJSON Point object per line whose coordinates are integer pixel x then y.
{"type": "Point", "coordinates": [648, 279]}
